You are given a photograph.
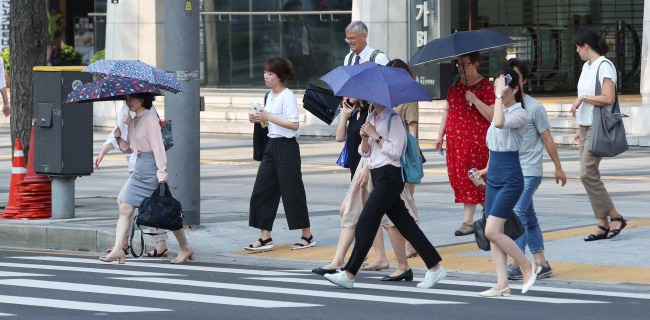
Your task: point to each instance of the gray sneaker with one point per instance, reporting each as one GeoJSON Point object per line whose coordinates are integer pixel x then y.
{"type": "Point", "coordinates": [514, 273]}
{"type": "Point", "coordinates": [546, 272]}
{"type": "Point", "coordinates": [465, 229]}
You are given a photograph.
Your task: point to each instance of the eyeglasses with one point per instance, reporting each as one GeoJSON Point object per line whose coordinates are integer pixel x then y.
{"type": "Point", "coordinates": [350, 39]}
{"type": "Point", "coordinates": [464, 64]}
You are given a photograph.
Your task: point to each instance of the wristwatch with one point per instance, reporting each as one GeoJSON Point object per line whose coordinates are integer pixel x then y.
{"type": "Point", "coordinates": [378, 140]}
{"type": "Point", "coordinates": [584, 98]}
{"type": "Point", "coordinates": [498, 96]}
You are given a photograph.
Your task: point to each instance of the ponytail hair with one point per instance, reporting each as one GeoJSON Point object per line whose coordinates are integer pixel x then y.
{"type": "Point", "coordinates": [592, 38]}
{"type": "Point", "coordinates": [514, 84]}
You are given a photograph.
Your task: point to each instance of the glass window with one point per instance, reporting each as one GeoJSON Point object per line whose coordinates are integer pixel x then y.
{"type": "Point", "coordinates": [544, 31]}
{"type": "Point", "coordinates": [234, 47]}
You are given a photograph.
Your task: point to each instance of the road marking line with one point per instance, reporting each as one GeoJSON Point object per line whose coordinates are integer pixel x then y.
{"type": "Point", "coordinates": [166, 266]}
{"type": "Point", "coordinates": [553, 289]}
{"type": "Point", "coordinates": [291, 291]}
{"type": "Point", "coordinates": [155, 294]}
{"type": "Point", "coordinates": [122, 272]}
{"type": "Point", "coordinates": [22, 274]}
{"type": "Point", "coordinates": [74, 305]}
{"type": "Point", "coordinates": [458, 293]}
{"type": "Point", "coordinates": [6, 315]}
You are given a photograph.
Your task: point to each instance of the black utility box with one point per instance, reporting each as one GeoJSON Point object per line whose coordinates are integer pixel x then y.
{"type": "Point", "coordinates": [63, 131]}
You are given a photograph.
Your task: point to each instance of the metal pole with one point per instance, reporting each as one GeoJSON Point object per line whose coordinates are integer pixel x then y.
{"type": "Point", "coordinates": [62, 197]}
{"type": "Point", "coordinates": [182, 59]}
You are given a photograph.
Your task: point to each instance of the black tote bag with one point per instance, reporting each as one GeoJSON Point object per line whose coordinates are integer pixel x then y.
{"type": "Point", "coordinates": [607, 131]}
{"type": "Point", "coordinates": [513, 229]}
{"type": "Point", "coordinates": [320, 101]}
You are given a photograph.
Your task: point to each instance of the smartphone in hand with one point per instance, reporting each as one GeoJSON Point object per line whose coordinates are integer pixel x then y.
{"type": "Point", "coordinates": [256, 107]}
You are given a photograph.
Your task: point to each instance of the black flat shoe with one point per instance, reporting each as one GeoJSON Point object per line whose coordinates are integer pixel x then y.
{"type": "Point", "coordinates": [406, 276]}
{"type": "Point", "coordinates": [593, 237]}
{"type": "Point", "coordinates": [614, 232]}
{"type": "Point", "coordinates": [323, 271]}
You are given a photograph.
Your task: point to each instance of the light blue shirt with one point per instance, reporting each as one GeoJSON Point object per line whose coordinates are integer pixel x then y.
{"type": "Point", "coordinates": [530, 154]}
{"type": "Point", "coordinates": [509, 137]}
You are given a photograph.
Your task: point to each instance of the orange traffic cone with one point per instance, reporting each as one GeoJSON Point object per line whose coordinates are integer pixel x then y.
{"type": "Point", "coordinates": [34, 193]}
{"type": "Point", "coordinates": [18, 172]}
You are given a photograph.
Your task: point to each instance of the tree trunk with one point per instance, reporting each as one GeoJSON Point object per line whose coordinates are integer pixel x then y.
{"type": "Point", "coordinates": [28, 42]}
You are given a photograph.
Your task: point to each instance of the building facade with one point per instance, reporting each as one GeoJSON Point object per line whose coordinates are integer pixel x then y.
{"type": "Point", "coordinates": [237, 36]}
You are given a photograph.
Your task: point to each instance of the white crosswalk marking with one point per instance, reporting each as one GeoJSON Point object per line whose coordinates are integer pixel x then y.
{"type": "Point", "coordinates": [432, 291]}
{"type": "Point", "coordinates": [7, 315]}
{"type": "Point", "coordinates": [21, 274]}
{"type": "Point", "coordinates": [122, 272]}
{"type": "Point", "coordinates": [167, 266]}
{"type": "Point", "coordinates": [555, 290]}
{"type": "Point", "coordinates": [156, 294]}
{"type": "Point", "coordinates": [301, 292]}
{"type": "Point", "coordinates": [73, 305]}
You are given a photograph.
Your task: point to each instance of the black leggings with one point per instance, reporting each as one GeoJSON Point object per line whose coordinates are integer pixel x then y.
{"type": "Point", "coordinates": [385, 198]}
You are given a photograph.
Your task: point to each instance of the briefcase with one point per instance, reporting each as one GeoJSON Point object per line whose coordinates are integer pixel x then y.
{"type": "Point", "coordinates": [319, 99]}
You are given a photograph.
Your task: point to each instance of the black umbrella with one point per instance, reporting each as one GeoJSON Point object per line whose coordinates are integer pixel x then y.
{"type": "Point", "coordinates": [457, 44]}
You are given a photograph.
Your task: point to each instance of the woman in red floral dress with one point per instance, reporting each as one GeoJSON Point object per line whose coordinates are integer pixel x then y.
{"type": "Point", "coordinates": [465, 121]}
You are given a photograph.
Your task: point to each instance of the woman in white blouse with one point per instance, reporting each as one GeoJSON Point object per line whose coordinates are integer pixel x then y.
{"type": "Point", "coordinates": [279, 175]}
{"type": "Point", "coordinates": [592, 49]}
{"type": "Point", "coordinates": [505, 181]}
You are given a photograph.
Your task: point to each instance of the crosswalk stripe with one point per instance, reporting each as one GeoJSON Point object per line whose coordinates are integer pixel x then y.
{"type": "Point", "coordinates": [21, 274]}
{"type": "Point", "coordinates": [74, 305]}
{"type": "Point", "coordinates": [6, 315]}
{"type": "Point", "coordinates": [555, 289]}
{"type": "Point", "coordinates": [291, 291]}
{"type": "Point", "coordinates": [167, 266]}
{"type": "Point", "coordinates": [123, 272]}
{"type": "Point", "coordinates": [156, 294]}
{"type": "Point", "coordinates": [433, 291]}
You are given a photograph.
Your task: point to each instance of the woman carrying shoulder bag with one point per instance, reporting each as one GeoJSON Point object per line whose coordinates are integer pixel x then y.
{"type": "Point", "coordinates": [145, 140]}
{"type": "Point", "coordinates": [591, 48]}
{"type": "Point", "coordinates": [279, 175]}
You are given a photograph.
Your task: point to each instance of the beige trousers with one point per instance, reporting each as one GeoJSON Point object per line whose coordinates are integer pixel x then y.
{"type": "Point", "coordinates": [600, 200]}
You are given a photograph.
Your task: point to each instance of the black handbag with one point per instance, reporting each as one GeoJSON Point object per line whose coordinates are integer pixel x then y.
{"type": "Point", "coordinates": [320, 101]}
{"type": "Point", "coordinates": [513, 229]}
{"type": "Point", "coordinates": [161, 211]}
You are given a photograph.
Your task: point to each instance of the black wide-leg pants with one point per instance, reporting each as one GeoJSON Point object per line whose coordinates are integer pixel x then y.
{"type": "Point", "coordinates": [385, 198]}
{"type": "Point", "coordinates": [278, 176]}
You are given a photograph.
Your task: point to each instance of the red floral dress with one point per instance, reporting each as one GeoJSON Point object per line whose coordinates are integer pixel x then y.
{"type": "Point", "coordinates": [466, 129]}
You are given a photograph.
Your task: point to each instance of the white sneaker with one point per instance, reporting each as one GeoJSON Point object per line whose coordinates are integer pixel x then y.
{"type": "Point", "coordinates": [431, 278]}
{"type": "Point", "coordinates": [340, 279]}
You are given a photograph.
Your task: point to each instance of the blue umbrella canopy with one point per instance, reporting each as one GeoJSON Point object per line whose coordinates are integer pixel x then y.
{"type": "Point", "coordinates": [386, 86]}
{"type": "Point", "coordinates": [135, 69]}
{"type": "Point", "coordinates": [110, 89]}
{"type": "Point", "coordinates": [457, 44]}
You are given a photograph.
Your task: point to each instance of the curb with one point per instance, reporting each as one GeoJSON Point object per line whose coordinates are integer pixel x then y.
{"type": "Point", "coordinates": [58, 238]}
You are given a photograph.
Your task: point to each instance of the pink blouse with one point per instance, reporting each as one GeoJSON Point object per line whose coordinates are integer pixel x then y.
{"type": "Point", "coordinates": [394, 144]}
{"type": "Point", "coordinates": [146, 137]}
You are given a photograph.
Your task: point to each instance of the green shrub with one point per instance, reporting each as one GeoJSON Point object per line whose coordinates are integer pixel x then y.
{"type": "Point", "coordinates": [99, 55]}
{"type": "Point", "coordinates": [69, 56]}
{"type": "Point", "coordinates": [6, 59]}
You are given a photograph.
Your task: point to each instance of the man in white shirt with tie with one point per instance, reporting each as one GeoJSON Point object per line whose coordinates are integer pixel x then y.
{"type": "Point", "coordinates": [356, 35]}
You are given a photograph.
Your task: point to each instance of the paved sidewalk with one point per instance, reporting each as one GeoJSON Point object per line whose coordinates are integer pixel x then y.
{"type": "Point", "coordinates": [228, 173]}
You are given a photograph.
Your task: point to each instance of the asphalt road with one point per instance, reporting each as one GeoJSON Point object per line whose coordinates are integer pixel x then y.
{"type": "Point", "coordinates": [55, 285]}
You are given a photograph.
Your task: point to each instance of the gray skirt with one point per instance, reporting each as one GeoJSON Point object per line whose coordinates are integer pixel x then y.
{"type": "Point", "coordinates": [143, 181]}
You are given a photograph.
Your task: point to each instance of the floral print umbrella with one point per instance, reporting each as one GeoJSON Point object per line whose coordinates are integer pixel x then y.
{"type": "Point", "coordinates": [135, 69]}
{"type": "Point", "coordinates": [110, 89]}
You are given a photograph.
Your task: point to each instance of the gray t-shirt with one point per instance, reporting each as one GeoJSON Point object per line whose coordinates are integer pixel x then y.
{"type": "Point", "coordinates": [530, 153]}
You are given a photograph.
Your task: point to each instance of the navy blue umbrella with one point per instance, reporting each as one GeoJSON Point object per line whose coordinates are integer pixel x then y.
{"type": "Point", "coordinates": [457, 44]}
